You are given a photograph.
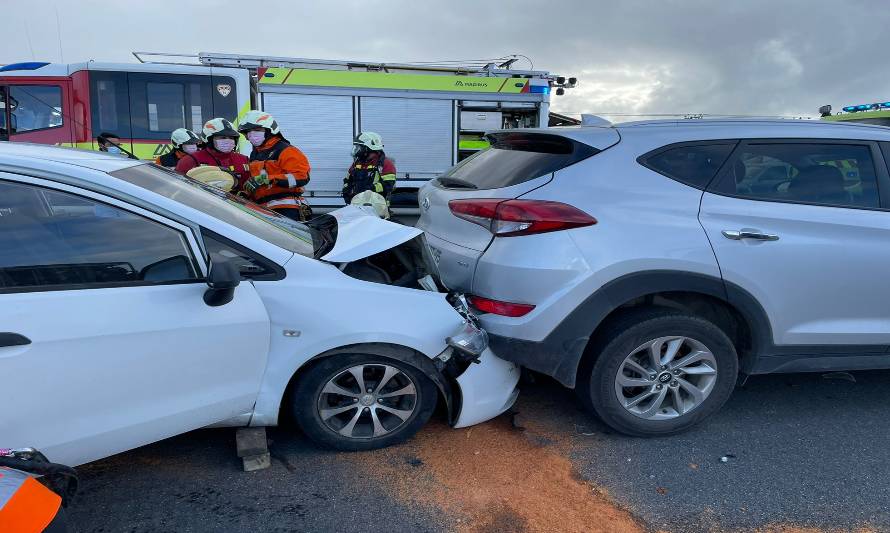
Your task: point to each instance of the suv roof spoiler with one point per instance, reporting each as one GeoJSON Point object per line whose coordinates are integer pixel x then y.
{"type": "Point", "coordinates": [594, 120]}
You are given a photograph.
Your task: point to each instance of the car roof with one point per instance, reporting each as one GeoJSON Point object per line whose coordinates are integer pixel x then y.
{"type": "Point", "coordinates": [758, 127]}
{"type": "Point", "coordinates": [679, 130]}
{"type": "Point", "coordinates": [45, 157]}
{"type": "Point", "coordinates": [730, 122]}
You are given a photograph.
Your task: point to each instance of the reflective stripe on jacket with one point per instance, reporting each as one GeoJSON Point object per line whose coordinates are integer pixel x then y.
{"type": "Point", "coordinates": [370, 175]}
{"type": "Point", "coordinates": [26, 506]}
{"type": "Point", "coordinates": [170, 159]}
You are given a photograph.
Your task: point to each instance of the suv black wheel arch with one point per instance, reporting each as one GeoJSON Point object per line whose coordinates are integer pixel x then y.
{"type": "Point", "coordinates": [570, 347]}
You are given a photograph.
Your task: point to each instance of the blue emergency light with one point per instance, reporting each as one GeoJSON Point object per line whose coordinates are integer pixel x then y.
{"type": "Point", "coordinates": [32, 65]}
{"type": "Point", "coordinates": [867, 107]}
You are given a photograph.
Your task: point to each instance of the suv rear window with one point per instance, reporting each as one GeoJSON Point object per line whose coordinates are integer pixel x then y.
{"type": "Point", "coordinates": [514, 158]}
{"type": "Point", "coordinates": [692, 164]}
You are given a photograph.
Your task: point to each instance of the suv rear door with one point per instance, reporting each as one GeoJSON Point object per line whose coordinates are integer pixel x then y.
{"type": "Point", "coordinates": [517, 162]}
{"type": "Point", "coordinates": [802, 226]}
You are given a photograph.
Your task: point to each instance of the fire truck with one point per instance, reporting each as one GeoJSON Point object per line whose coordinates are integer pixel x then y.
{"type": "Point", "coordinates": [430, 116]}
{"type": "Point", "coordinates": [877, 113]}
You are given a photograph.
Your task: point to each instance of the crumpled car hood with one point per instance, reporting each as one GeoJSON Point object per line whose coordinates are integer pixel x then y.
{"type": "Point", "coordinates": [361, 233]}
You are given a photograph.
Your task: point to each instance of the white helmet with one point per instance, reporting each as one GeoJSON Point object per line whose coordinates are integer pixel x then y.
{"type": "Point", "coordinates": [370, 139]}
{"type": "Point", "coordinates": [258, 119]}
{"type": "Point", "coordinates": [220, 127]}
{"type": "Point", "coordinates": [372, 200]}
{"type": "Point", "coordinates": [183, 136]}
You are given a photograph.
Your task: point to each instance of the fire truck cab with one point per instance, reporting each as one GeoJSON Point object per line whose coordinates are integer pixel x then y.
{"type": "Point", "coordinates": [71, 104]}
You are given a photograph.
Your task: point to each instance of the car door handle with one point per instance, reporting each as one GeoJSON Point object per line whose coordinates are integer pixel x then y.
{"type": "Point", "coordinates": [754, 235]}
{"type": "Point", "coordinates": [13, 339]}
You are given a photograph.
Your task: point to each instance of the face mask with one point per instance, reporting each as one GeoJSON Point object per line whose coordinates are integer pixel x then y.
{"type": "Point", "coordinates": [256, 138]}
{"type": "Point", "coordinates": [224, 145]}
{"type": "Point", "coordinates": [113, 150]}
{"type": "Point", "coordinates": [189, 148]}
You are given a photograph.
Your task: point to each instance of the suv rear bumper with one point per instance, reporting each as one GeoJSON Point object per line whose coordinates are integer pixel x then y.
{"type": "Point", "coordinates": [556, 357]}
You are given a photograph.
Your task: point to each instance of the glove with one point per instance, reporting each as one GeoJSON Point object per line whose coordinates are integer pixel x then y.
{"type": "Point", "coordinates": [254, 183]}
{"type": "Point", "coordinates": [262, 179]}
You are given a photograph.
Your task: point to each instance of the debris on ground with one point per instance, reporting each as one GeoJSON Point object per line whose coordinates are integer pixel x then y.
{"type": "Point", "coordinates": [726, 458]}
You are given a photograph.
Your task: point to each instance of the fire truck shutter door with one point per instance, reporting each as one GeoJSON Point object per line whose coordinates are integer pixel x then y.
{"type": "Point", "coordinates": [321, 126]}
{"type": "Point", "coordinates": [417, 133]}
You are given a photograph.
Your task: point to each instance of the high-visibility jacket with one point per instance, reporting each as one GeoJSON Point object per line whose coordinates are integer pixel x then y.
{"type": "Point", "coordinates": [287, 169]}
{"type": "Point", "coordinates": [233, 162]}
{"type": "Point", "coordinates": [170, 159]}
{"type": "Point", "coordinates": [26, 506]}
{"type": "Point", "coordinates": [376, 173]}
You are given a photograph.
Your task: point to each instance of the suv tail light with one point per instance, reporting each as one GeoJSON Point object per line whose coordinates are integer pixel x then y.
{"type": "Point", "coordinates": [496, 307]}
{"type": "Point", "coordinates": [509, 218]}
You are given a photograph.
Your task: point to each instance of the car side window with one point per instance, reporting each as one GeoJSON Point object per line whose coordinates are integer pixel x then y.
{"type": "Point", "coordinates": [249, 265]}
{"type": "Point", "coordinates": [57, 240]}
{"type": "Point", "coordinates": [692, 164]}
{"type": "Point", "coordinates": [830, 174]}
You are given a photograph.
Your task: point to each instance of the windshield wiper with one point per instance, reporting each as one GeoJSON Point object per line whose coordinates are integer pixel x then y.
{"type": "Point", "coordinates": [456, 183]}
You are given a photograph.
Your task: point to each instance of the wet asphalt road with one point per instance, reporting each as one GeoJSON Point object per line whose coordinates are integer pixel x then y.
{"type": "Point", "coordinates": [800, 450]}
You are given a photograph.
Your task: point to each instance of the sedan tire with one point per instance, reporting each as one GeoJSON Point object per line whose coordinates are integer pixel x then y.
{"type": "Point", "coordinates": [355, 402]}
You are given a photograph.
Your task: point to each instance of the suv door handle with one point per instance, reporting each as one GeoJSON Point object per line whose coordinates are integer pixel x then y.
{"type": "Point", "coordinates": [755, 235]}
{"type": "Point", "coordinates": [13, 339]}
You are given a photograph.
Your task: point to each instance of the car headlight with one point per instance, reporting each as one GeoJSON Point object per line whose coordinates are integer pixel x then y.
{"type": "Point", "coordinates": [470, 340]}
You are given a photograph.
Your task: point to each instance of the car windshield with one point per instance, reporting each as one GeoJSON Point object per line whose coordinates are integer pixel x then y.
{"type": "Point", "coordinates": [248, 216]}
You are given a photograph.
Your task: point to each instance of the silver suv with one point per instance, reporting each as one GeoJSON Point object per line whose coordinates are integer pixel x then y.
{"type": "Point", "coordinates": [648, 265]}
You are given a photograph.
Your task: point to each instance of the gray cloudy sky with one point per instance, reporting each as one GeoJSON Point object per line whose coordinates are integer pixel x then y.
{"type": "Point", "coordinates": [761, 57]}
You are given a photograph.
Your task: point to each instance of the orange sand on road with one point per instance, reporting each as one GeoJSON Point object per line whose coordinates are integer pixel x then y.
{"type": "Point", "coordinates": [494, 477]}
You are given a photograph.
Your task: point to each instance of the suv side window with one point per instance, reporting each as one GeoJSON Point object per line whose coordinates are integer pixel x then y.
{"type": "Point", "coordinates": [57, 240]}
{"type": "Point", "coordinates": [830, 174]}
{"type": "Point", "coordinates": [694, 164]}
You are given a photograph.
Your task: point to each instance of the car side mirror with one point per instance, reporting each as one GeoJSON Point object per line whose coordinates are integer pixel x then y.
{"type": "Point", "coordinates": [221, 282]}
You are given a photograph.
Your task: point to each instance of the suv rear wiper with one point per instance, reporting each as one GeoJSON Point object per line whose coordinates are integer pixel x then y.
{"type": "Point", "coordinates": [456, 183]}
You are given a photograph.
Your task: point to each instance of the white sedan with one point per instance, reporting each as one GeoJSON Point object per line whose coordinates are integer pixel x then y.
{"type": "Point", "coordinates": [136, 304]}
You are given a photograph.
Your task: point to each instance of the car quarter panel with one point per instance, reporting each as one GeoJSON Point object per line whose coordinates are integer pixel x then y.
{"type": "Point", "coordinates": [645, 221]}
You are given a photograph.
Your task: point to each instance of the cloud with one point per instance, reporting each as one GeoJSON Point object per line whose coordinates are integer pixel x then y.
{"type": "Point", "coordinates": [757, 57]}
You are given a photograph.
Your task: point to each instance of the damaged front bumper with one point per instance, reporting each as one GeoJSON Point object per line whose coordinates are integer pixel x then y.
{"type": "Point", "coordinates": [485, 385]}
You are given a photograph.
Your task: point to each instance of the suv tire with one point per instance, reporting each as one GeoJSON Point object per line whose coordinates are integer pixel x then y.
{"type": "Point", "coordinates": [635, 394]}
{"type": "Point", "coordinates": [390, 403]}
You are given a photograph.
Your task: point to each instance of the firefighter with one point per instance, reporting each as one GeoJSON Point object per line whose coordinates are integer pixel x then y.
{"type": "Point", "coordinates": [371, 170]}
{"type": "Point", "coordinates": [279, 171]}
{"type": "Point", "coordinates": [110, 143]}
{"type": "Point", "coordinates": [222, 139]}
{"type": "Point", "coordinates": [184, 142]}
